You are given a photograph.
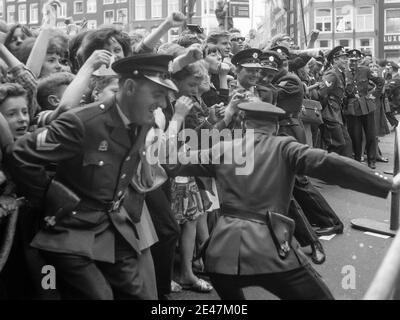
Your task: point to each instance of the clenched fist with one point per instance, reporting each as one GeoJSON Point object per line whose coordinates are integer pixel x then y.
{"type": "Point", "coordinates": [176, 19]}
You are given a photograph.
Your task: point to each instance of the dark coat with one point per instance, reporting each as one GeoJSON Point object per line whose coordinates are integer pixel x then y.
{"type": "Point", "coordinates": [332, 93]}
{"type": "Point", "coordinates": [290, 91]}
{"type": "Point", "coordinates": [244, 247]}
{"type": "Point", "coordinates": [96, 159]}
{"type": "Point", "coordinates": [359, 99]}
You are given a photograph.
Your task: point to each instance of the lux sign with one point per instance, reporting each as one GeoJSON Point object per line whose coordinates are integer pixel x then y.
{"type": "Point", "coordinates": [392, 39]}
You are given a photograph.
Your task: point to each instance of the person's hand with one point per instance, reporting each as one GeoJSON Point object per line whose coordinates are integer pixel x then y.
{"type": "Point", "coordinates": [50, 13]}
{"type": "Point", "coordinates": [232, 108]}
{"type": "Point", "coordinates": [183, 106]}
{"type": "Point", "coordinates": [213, 118]}
{"type": "Point", "coordinates": [98, 59]}
{"type": "Point", "coordinates": [224, 69]}
{"type": "Point", "coordinates": [176, 19]}
{"type": "Point", "coordinates": [8, 205]}
{"type": "Point", "coordinates": [314, 35]}
{"type": "Point", "coordinates": [194, 53]}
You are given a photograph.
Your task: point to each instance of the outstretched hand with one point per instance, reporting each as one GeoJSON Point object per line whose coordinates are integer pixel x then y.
{"type": "Point", "coordinates": [176, 19]}
{"type": "Point", "coordinates": [50, 13]}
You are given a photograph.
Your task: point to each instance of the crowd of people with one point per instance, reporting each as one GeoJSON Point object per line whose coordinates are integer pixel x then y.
{"type": "Point", "coordinates": [78, 116]}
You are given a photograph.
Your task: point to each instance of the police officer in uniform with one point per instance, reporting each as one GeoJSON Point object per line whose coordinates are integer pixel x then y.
{"type": "Point", "coordinates": [94, 247]}
{"type": "Point", "coordinates": [290, 95]}
{"type": "Point", "coordinates": [332, 93]}
{"type": "Point", "coordinates": [248, 69]}
{"type": "Point", "coordinates": [252, 244]}
{"type": "Point", "coordinates": [360, 107]}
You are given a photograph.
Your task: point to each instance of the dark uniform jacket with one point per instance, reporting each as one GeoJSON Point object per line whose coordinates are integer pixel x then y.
{"type": "Point", "coordinates": [332, 93]}
{"type": "Point", "coordinates": [359, 101]}
{"type": "Point", "coordinates": [244, 247]}
{"type": "Point", "coordinates": [96, 158]}
{"type": "Point", "coordinates": [290, 91]}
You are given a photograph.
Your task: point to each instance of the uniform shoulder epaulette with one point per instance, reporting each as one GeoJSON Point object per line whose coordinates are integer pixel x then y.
{"type": "Point", "coordinates": [92, 110]}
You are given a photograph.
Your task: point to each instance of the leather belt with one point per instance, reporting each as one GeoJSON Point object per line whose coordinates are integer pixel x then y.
{"type": "Point", "coordinates": [289, 122]}
{"type": "Point", "coordinates": [108, 207]}
{"type": "Point", "coordinates": [231, 212]}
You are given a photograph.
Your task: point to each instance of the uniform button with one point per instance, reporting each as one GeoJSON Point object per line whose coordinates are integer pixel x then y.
{"type": "Point", "coordinates": [123, 176]}
{"type": "Point", "coordinates": [120, 194]}
{"type": "Point", "coordinates": [74, 213]}
{"type": "Point", "coordinates": [376, 173]}
{"type": "Point", "coordinates": [102, 106]}
{"type": "Point", "coordinates": [386, 178]}
{"type": "Point", "coordinates": [101, 163]}
{"type": "Point", "coordinates": [128, 159]}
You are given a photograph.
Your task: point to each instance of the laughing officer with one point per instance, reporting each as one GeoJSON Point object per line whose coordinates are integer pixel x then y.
{"type": "Point", "coordinates": [94, 246]}
{"type": "Point", "coordinates": [332, 94]}
{"type": "Point", "coordinates": [252, 243]}
{"type": "Point", "coordinates": [360, 106]}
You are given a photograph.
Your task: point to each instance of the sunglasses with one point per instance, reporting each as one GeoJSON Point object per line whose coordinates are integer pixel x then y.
{"type": "Point", "coordinates": [238, 39]}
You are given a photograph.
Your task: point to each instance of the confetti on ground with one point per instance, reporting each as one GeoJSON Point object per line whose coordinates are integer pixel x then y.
{"type": "Point", "coordinates": [377, 235]}
{"type": "Point", "coordinates": [361, 245]}
{"type": "Point", "coordinates": [327, 238]}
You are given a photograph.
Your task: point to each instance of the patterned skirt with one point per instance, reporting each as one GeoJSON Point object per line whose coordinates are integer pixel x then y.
{"type": "Point", "coordinates": [186, 200]}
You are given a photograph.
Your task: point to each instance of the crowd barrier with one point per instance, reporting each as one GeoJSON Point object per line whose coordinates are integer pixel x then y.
{"type": "Point", "coordinates": [386, 284]}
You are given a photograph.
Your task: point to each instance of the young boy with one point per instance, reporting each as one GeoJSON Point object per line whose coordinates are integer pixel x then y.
{"type": "Point", "coordinates": [50, 91]}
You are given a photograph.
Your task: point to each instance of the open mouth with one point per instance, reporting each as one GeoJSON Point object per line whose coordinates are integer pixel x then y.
{"type": "Point", "coordinates": [22, 130]}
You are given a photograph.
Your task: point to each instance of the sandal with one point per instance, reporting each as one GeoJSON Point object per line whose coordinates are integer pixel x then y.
{"type": "Point", "coordinates": [176, 287]}
{"type": "Point", "coordinates": [382, 159]}
{"type": "Point", "coordinates": [199, 286]}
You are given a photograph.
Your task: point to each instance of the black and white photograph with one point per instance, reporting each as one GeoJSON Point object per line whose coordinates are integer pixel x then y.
{"type": "Point", "coordinates": [199, 155]}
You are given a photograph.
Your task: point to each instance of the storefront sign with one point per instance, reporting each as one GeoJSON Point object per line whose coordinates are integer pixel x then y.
{"type": "Point", "coordinates": [392, 39]}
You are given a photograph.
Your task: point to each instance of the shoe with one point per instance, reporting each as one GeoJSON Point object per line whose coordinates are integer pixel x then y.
{"type": "Point", "coordinates": [318, 255]}
{"type": "Point", "coordinates": [199, 286]}
{"type": "Point", "coordinates": [372, 165]}
{"type": "Point", "coordinates": [382, 159]}
{"type": "Point", "coordinates": [338, 229]}
{"type": "Point", "coordinates": [175, 287]}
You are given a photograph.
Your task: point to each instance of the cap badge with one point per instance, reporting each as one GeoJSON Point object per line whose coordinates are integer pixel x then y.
{"type": "Point", "coordinates": [103, 146]}
{"type": "Point", "coordinates": [135, 73]}
{"type": "Point", "coordinates": [255, 55]}
{"type": "Point", "coordinates": [272, 59]}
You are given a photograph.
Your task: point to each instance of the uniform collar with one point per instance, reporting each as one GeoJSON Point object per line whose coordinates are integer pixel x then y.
{"type": "Point", "coordinates": [124, 118]}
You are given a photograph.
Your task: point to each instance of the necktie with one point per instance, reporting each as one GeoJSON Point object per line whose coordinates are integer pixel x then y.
{"type": "Point", "coordinates": [133, 132]}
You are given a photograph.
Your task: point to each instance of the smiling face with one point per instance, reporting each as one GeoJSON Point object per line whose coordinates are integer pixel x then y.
{"type": "Point", "coordinates": [237, 42]}
{"type": "Point", "coordinates": [248, 77]}
{"type": "Point", "coordinates": [139, 99]}
{"type": "Point", "coordinates": [115, 48]}
{"type": "Point", "coordinates": [15, 110]}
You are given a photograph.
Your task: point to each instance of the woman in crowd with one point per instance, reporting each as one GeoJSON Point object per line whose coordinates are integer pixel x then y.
{"type": "Point", "coordinates": [16, 36]}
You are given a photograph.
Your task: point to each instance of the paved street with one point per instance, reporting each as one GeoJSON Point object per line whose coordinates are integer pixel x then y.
{"type": "Point", "coordinates": [353, 248]}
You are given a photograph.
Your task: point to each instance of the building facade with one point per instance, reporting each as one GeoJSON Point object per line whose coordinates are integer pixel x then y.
{"type": "Point", "coordinates": [368, 25]}
{"type": "Point", "coordinates": [389, 29]}
{"type": "Point", "coordinates": [131, 15]}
